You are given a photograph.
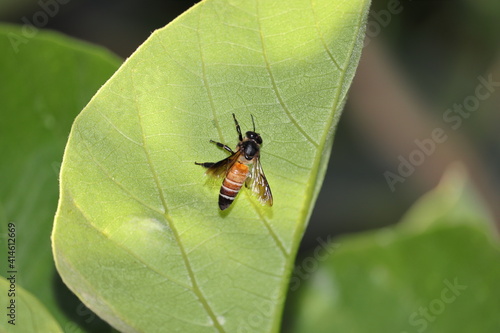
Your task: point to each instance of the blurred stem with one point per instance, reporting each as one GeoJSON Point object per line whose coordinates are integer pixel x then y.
{"type": "Point", "coordinates": [389, 116]}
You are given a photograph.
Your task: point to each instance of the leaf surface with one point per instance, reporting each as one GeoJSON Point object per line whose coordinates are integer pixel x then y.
{"type": "Point", "coordinates": [138, 234]}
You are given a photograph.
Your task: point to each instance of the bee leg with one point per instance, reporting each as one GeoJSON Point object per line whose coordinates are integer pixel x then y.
{"type": "Point", "coordinates": [238, 128]}
{"type": "Point", "coordinates": [205, 165]}
{"type": "Point", "coordinates": [223, 146]}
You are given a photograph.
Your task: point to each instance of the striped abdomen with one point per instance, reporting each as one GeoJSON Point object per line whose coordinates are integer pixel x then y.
{"type": "Point", "coordinates": [232, 184]}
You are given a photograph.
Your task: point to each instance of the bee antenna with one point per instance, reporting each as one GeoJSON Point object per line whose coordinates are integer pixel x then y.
{"type": "Point", "coordinates": [253, 122]}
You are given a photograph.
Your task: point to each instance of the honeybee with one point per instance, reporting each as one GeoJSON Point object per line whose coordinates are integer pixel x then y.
{"type": "Point", "coordinates": [243, 166]}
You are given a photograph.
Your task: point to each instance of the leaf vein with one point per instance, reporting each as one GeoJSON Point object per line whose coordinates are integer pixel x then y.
{"type": "Point", "coordinates": [274, 84]}
{"type": "Point", "coordinates": [330, 55]}
{"type": "Point", "coordinates": [273, 234]}
{"type": "Point", "coordinates": [119, 245]}
{"type": "Point", "coordinates": [110, 177]}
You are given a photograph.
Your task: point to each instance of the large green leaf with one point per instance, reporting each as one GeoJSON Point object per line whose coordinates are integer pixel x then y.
{"type": "Point", "coordinates": [46, 80]}
{"type": "Point", "coordinates": [138, 234]}
{"type": "Point", "coordinates": [23, 312]}
{"type": "Point", "coordinates": [437, 271]}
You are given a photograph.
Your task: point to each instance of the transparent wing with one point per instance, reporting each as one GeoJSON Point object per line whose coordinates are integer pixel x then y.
{"type": "Point", "coordinates": [221, 168]}
{"type": "Point", "coordinates": [257, 182]}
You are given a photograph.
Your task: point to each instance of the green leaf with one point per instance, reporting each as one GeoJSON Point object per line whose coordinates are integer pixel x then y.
{"type": "Point", "coordinates": [138, 235]}
{"type": "Point", "coordinates": [436, 272]}
{"type": "Point", "coordinates": [453, 202]}
{"type": "Point", "coordinates": [23, 311]}
{"type": "Point", "coordinates": [46, 80]}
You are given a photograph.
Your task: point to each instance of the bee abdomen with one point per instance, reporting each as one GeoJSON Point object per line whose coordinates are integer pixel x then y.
{"type": "Point", "coordinates": [232, 184]}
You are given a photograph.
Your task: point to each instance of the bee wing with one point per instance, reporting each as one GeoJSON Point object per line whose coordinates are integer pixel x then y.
{"type": "Point", "coordinates": [221, 168]}
{"type": "Point", "coordinates": [257, 182]}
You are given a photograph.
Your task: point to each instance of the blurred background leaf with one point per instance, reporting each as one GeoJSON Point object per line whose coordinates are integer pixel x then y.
{"type": "Point", "coordinates": [46, 81]}
{"type": "Point", "coordinates": [437, 271]}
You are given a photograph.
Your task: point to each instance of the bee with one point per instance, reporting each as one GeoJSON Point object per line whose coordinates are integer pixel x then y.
{"type": "Point", "coordinates": [242, 167]}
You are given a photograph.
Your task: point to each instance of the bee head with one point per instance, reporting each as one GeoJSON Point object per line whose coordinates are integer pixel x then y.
{"type": "Point", "coordinates": [254, 136]}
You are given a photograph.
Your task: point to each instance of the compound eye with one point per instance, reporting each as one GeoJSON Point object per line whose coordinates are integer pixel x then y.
{"type": "Point", "coordinates": [258, 139]}
{"type": "Point", "coordinates": [249, 152]}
